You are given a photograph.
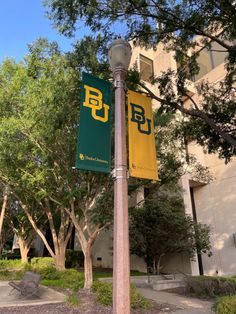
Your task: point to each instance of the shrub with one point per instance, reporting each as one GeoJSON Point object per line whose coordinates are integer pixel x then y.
{"type": "Point", "coordinates": [74, 258]}
{"type": "Point", "coordinates": [103, 292]}
{"type": "Point", "coordinates": [42, 262]}
{"type": "Point", "coordinates": [226, 305]}
{"type": "Point", "coordinates": [49, 273]}
{"type": "Point", "coordinates": [11, 264]}
{"type": "Point", "coordinates": [73, 300]}
{"type": "Point", "coordinates": [10, 275]}
{"type": "Point", "coordinates": [211, 286]}
{"type": "Point", "coordinates": [138, 301]}
{"type": "Point", "coordinates": [69, 278]}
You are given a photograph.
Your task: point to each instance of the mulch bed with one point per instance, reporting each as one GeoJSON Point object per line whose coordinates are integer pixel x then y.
{"type": "Point", "coordinates": [88, 306]}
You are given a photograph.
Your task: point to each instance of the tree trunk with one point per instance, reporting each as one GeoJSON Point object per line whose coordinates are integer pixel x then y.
{"type": "Point", "coordinates": [159, 267]}
{"type": "Point", "coordinates": [24, 249]}
{"type": "Point", "coordinates": [4, 205]}
{"type": "Point", "coordinates": [60, 258]}
{"type": "Point", "coordinates": [88, 268]}
{"type": "Point", "coordinates": [2, 242]}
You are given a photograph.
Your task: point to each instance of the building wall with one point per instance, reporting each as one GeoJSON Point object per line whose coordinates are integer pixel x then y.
{"type": "Point", "coordinates": [216, 206]}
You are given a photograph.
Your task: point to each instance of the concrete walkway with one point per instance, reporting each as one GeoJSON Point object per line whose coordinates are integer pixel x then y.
{"type": "Point", "coordinates": [45, 296]}
{"type": "Point", "coordinates": [184, 305]}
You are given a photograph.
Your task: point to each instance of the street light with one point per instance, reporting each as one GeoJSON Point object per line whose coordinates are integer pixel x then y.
{"type": "Point", "coordinates": [119, 58]}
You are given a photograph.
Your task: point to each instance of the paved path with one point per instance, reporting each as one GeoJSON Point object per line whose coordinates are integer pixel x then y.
{"type": "Point", "coordinates": [185, 305]}
{"type": "Point", "coordinates": [46, 296]}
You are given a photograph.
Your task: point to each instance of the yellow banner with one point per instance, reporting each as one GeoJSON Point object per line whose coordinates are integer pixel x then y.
{"type": "Point", "coordinates": [142, 148]}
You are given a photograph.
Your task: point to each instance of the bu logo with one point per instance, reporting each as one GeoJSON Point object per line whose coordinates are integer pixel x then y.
{"type": "Point", "coordinates": [93, 100]}
{"type": "Point", "coordinates": [138, 116]}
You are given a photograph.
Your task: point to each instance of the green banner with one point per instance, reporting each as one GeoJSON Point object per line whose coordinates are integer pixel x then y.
{"type": "Point", "coordinates": [94, 136]}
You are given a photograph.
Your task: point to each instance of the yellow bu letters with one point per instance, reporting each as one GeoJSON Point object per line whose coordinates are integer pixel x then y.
{"type": "Point", "coordinates": [93, 100]}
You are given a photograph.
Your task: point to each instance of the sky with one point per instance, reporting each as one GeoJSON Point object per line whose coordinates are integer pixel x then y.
{"type": "Point", "coordinates": [22, 22]}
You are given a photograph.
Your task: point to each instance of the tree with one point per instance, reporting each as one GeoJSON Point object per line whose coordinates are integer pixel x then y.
{"type": "Point", "coordinates": [160, 227]}
{"type": "Point", "coordinates": [38, 129]}
{"type": "Point", "coordinates": [182, 25]}
{"type": "Point", "coordinates": [19, 223]}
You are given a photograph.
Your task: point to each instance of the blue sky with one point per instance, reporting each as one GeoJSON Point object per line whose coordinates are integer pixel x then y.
{"type": "Point", "coordinates": [22, 22]}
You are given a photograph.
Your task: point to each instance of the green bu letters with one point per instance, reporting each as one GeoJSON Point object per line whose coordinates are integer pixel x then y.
{"type": "Point", "coordinates": [94, 133]}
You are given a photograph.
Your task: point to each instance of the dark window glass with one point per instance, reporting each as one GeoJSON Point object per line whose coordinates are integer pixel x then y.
{"type": "Point", "coordinates": [146, 68]}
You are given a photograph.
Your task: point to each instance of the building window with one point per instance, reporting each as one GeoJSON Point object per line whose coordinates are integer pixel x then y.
{"type": "Point", "coordinates": [210, 59]}
{"type": "Point", "coordinates": [146, 68]}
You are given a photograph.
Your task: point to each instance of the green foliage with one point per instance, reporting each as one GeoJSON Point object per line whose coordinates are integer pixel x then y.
{"type": "Point", "coordinates": [183, 26]}
{"type": "Point", "coordinates": [226, 305]}
{"type": "Point", "coordinates": [73, 300]}
{"type": "Point", "coordinates": [211, 286]}
{"type": "Point", "coordinates": [69, 278]}
{"type": "Point", "coordinates": [42, 262]}
{"type": "Point", "coordinates": [39, 114]}
{"type": "Point", "coordinates": [160, 226]}
{"type": "Point", "coordinates": [11, 264]}
{"type": "Point", "coordinates": [103, 292]}
{"type": "Point", "coordinates": [74, 258]}
{"type": "Point", "coordinates": [138, 301]}
{"type": "Point", "coordinates": [48, 273]}
{"type": "Point", "coordinates": [11, 275]}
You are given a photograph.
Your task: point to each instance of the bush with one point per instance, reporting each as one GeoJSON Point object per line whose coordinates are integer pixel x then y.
{"type": "Point", "coordinates": [42, 262]}
{"type": "Point", "coordinates": [226, 305]}
{"type": "Point", "coordinates": [73, 300]}
{"type": "Point", "coordinates": [69, 278]}
{"type": "Point", "coordinates": [74, 258]}
{"type": "Point", "coordinates": [211, 286]}
{"type": "Point", "coordinates": [103, 292]}
{"type": "Point", "coordinates": [138, 301]}
{"type": "Point", "coordinates": [11, 264]}
{"type": "Point", "coordinates": [49, 273]}
{"type": "Point", "coordinates": [10, 275]}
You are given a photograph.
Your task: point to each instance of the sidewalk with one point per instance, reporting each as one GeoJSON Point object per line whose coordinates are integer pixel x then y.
{"type": "Point", "coordinates": [46, 296]}
{"type": "Point", "coordinates": [184, 304]}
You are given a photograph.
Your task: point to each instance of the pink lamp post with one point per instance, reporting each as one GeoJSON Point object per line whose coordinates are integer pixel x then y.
{"type": "Point", "coordinates": [119, 58]}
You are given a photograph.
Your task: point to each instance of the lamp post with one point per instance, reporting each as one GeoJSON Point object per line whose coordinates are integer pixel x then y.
{"type": "Point", "coordinates": [119, 58]}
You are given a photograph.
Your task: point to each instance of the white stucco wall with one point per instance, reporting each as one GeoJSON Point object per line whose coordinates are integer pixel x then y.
{"type": "Point", "coordinates": [216, 206]}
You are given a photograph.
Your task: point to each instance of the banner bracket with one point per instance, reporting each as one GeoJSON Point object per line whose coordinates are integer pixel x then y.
{"type": "Point", "coordinates": [120, 84]}
{"type": "Point", "coordinates": [118, 173]}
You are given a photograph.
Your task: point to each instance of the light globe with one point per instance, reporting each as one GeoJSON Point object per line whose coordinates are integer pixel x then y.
{"type": "Point", "coordinates": [119, 54]}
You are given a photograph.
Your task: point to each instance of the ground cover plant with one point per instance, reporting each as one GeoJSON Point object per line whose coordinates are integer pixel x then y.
{"type": "Point", "coordinates": [222, 288]}
{"type": "Point", "coordinates": [211, 286]}
{"type": "Point", "coordinates": [226, 305]}
{"type": "Point", "coordinates": [103, 292]}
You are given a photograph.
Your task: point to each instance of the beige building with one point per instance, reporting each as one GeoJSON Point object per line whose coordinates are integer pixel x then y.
{"type": "Point", "coordinates": [213, 203]}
